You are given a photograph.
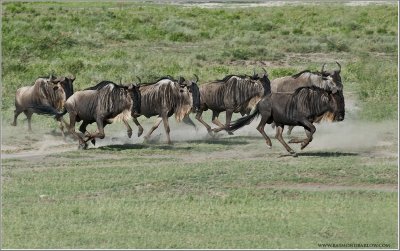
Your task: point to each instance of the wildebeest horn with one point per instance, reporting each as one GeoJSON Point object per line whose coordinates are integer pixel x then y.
{"type": "Point", "coordinates": [340, 67]}
{"type": "Point", "coordinates": [73, 78]}
{"type": "Point", "coordinates": [197, 78]}
{"type": "Point", "coordinates": [140, 81]}
{"type": "Point", "coordinates": [254, 73]}
{"type": "Point", "coordinates": [265, 71]}
{"type": "Point", "coordinates": [322, 69]}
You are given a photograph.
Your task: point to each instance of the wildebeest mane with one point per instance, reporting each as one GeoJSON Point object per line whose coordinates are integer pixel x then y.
{"type": "Point", "coordinates": [168, 77]}
{"type": "Point", "coordinates": [306, 99]}
{"type": "Point", "coordinates": [305, 71]}
{"type": "Point", "coordinates": [102, 84]}
{"type": "Point", "coordinates": [226, 78]}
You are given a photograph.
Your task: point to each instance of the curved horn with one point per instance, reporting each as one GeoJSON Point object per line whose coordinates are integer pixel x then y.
{"type": "Point", "coordinates": [254, 72]}
{"type": "Point", "coordinates": [181, 80]}
{"type": "Point", "coordinates": [73, 78]}
{"type": "Point", "coordinates": [265, 71]}
{"type": "Point", "coordinates": [340, 67]}
{"type": "Point", "coordinates": [322, 69]}
{"type": "Point", "coordinates": [197, 78]}
{"type": "Point", "coordinates": [140, 81]}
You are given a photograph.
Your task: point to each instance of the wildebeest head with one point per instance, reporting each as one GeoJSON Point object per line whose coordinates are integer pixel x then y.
{"type": "Point", "coordinates": [332, 78]}
{"type": "Point", "coordinates": [136, 99]}
{"type": "Point", "coordinates": [337, 105]}
{"type": "Point", "coordinates": [66, 83]}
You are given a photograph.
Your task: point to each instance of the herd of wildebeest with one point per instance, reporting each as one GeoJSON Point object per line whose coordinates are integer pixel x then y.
{"type": "Point", "coordinates": [298, 100]}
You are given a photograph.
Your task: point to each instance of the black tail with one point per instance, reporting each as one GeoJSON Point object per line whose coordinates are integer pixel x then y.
{"type": "Point", "coordinates": [48, 110]}
{"type": "Point", "coordinates": [243, 121]}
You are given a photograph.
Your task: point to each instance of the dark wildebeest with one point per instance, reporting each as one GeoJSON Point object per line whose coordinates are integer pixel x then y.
{"type": "Point", "coordinates": [327, 80]}
{"type": "Point", "coordinates": [101, 104]}
{"type": "Point", "coordinates": [232, 94]}
{"type": "Point", "coordinates": [46, 91]}
{"type": "Point", "coordinates": [301, 108]}
{"type": "Point", "coordinates": [166, 97]}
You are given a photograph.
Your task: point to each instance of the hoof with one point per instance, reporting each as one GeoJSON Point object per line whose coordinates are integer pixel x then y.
{"type": "Point", "coordinates": [14, 124]}
{"type": "Point", "coordinates": [82, 146]}
{"type": "Point", "coordinates": [230, 133]}
{"type": "Point", "coordinates": [93, 141]}
{"type": "Point", "coordinates": [293, 153]}
{"type": "Point", "coordinates": [129, 134]}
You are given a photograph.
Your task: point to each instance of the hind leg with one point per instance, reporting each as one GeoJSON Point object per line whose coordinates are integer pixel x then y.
{"type": "Point", "coordinates": [260, 128]}
{"type": "Point", "coordinates": [278, 136]}
{"type": "Point", "coordinates": [29, 117]}
{"type": "Point", "coordinates": [16, 114]}
{"type": "Point", "coordinates": [200, 119]}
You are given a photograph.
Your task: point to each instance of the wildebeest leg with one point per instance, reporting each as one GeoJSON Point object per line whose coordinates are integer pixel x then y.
{"type": "Point", "coordinates": [167, 129]}
{"type": "Point", "coordinates": [200, 119]}
{"type": "Point", "coordinates": [278, 136]}
{"type": "Point", "coordinates": [82, 129]}
{"type": "Point", "coordinates": [100, 131]}
{"type": "Point", "coordinates": [310, 130]}
{"type": "Point", "coordinates": [260, 128]}
{"type": "Point", "coordinates": [290, 128]}
{"type": "Point", "coordinates": [155, 126]}
{"type": "Point", "coordinates": [71, 129]}
{"type": "Point", "coordinates": [228, 119]}
{"type": "Point", "coordinates": [128, 128]}
{"type": "Point", "coordinates": [29, 116]}
{"type": "Point", "coordinates": [139, 126]}
{"type": "Point", "coordinates": [61, 126]}
{"type": "Point", "coordinates": [190, 122]}
{"type": "Point", "coordinates": [16, 114]}
{"type": "Point", "coordinates": [215, 120]}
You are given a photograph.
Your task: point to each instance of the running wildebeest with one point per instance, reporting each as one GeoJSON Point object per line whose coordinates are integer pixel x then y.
{"type": "Point", "coordinates": [46, 91]}
{"type": "Point", "coordinates": [232, 94]}
{"type": "Point", "coordinates": [327, 80]}
{"type": "Point", "coordinates": [300, 108]}
{"type": "Point", "coordinates": [166, 97]}
{"type": "Point", "coordinates": [101, 104]}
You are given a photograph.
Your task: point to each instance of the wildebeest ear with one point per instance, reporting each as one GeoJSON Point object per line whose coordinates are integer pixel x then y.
{"type": "Point", "coordinates": [181, 80]}
{"type": "Point", "coordinates": [73, 78]}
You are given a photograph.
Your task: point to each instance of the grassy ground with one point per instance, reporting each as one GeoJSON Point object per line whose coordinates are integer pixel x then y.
{"type": "Point", "coordinates": [201, 192]}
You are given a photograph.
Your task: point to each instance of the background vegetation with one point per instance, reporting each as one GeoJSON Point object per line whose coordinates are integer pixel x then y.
{"type": "Point", "coordinates": [122, 40]}
{"type": "Point", "coordinates": [227, 192]}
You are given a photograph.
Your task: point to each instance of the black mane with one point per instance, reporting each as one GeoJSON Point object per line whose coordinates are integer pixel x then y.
{"type": "Point", "coordinates": [312, 72]}
{"type": "Point", "coordinates": [102, 84]}
{"type": "Point", "coordinates": [169, 77]}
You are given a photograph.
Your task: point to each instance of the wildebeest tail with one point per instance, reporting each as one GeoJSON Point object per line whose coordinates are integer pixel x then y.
{"type": "Point", "coordinates": [243, 121]}
{"type": "Point", "coordinates": [48, 110]}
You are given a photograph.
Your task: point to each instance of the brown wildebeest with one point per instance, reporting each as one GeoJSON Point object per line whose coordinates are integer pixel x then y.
{"type": "Point", "coordinates": [232, 94]}
{"type": "Point", "coordinates": [327, 80]}
{"type": "Point", "coordinates": [101, 104]}
{"type": "Point", "coordinates": [166, 97]}
{"type": "Point", "coordinates": [51, 92]}
{"type": "Point", "coordinates": [298, 109]}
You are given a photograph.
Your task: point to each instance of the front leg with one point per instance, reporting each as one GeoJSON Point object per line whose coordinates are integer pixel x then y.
{"type": "Point", "coordinates": [138, 125]}
{"type": "Point", "coordinates": [128, 128]}
{"type": "Point", "coordinates": [200, 119]}
{"type": "Point", "coordinates": [167, 129]}
{"type": "Point", "coordinates": [155, 126]}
